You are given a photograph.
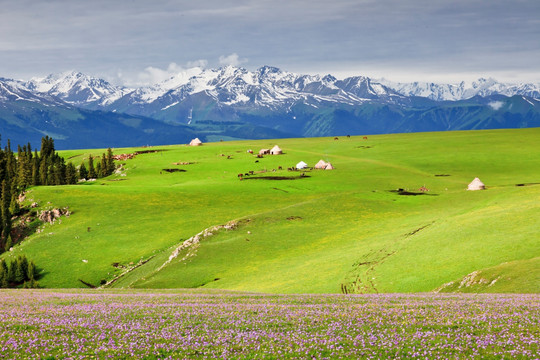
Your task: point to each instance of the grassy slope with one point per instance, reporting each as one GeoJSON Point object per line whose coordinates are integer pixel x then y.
{"type": "Point", "coordinates": [345, 227]}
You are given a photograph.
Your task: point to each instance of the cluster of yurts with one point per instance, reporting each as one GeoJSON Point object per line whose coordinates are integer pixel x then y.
{"type": "Point", "coordinates": [276, 150]}
{"type": "Point", "coordinates": [476, 184]}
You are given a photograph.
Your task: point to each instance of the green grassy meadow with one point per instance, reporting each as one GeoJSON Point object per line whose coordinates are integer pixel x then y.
{"type": "Point", "coordinates": [329, 232]}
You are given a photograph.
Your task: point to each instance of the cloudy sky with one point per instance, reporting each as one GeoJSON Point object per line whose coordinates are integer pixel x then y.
{"type": "Point", "coordinates": [139, 41]}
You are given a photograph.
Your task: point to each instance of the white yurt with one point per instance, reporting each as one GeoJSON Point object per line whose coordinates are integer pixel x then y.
{"type": "Point", "coordinates": [276, 150]}
{"type": "Point", "coordinates": [321, 164]}
{"type": "Point", "coordinates": [301, 165]}
{"type": "Point", "coordinates": [195, 142]}
{"type": "Point", "coordinates": [328, 167]}
{"type": "Point", "coordinates": [476, 184]}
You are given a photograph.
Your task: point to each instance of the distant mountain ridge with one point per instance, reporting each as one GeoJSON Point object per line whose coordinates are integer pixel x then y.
{"type": "Point", "coordinates": [233, 102]}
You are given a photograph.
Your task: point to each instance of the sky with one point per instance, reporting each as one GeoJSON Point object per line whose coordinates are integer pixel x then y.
{"type": "Point", "coordinates": [140, 42]}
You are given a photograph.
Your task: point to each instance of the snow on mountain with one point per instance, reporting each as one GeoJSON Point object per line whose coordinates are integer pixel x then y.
{"type": "Point", "coordinates": [462, 91]}
{"type": "Point", "coordinates": [14, 90]}
{"type": "Point", "coordinates": [78, 89]}
{"type": "Point", "coordinates": [237, 88]}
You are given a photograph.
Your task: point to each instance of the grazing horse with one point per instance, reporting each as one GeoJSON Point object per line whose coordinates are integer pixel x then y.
{"type": "Point", "coordinates": [280, 168]}
{"type": "Point", "coordinates": [336, 138]}
{"type": "Point", "coordinates": [365, 138]}
{"type": "Point", "coordinates": [240, 175]}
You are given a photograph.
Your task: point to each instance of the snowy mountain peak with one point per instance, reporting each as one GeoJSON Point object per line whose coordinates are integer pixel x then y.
{"type": "Point", "coordinates": [463, 90]}
{"type": "Point", "coordinates": [77, 88]}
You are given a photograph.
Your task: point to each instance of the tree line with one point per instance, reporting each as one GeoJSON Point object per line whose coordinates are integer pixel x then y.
{"type": "Point", "coordinates": [19, 271]}
{"type": "Point", "coordinates": [31, 168]}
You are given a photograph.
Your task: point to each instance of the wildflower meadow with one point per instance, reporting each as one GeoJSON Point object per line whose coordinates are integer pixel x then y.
{"type": "Point", "coordinates": [46, 324]}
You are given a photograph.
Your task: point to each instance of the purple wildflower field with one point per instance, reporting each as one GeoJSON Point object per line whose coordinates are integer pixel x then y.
{"type": "Point", "coordinates": [45, 324]}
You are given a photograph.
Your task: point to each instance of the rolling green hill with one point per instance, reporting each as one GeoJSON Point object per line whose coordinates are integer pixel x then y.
{"type": "Point", "coordinates": [346, 230]}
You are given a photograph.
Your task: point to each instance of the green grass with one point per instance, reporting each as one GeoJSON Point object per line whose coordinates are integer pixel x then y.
{"type": "Point", "coordinates": [318, 234]}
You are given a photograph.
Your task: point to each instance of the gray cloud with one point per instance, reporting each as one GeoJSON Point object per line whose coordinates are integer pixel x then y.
{"type": "Point", "coordinates": [420, 39]}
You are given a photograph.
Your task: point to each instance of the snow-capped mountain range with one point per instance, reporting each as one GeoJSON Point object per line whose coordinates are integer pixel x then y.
{"type": "Point", "coordinates": [267, 86]}
{"type": "Point", "coordinates": [267, 102]}
{"type": "Point", "coordinates": [463, 91]}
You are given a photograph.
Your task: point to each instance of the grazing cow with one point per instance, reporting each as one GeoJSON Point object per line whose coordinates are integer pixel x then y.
{"type": "Point", "coordinates": [251, 172]}
{"type": "Point", "coordinates": [228, 156]}
{"type": "Point", "coordinates": [240, 175]}
{"type": "Point", "coordinates": [246, 174]}
{"type": "Point", "coordinates": [280, 168]}
{"type": "Point", "coordinates": [365, 138]}
{"type": "Point", "coordinates": [256, 161]}
{"type": "Point", "coordinates": [273, 170]}
{"type": "Point", "coordinates": [348, 136]}
{"type": "Point", "coordinates": [336, 138]}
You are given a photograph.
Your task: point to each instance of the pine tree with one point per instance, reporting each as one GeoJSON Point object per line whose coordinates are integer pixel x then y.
{"type": "Point", "coordinates": [91, 171]}
{"type": "Point", "coordinates": [6, 215]}
{"type": "Point", "coordinates": [47, 147]}
{"type": "Point", "coordinates": [35, 170]}
{"type": "Point", "coordinates": [110, 162]}
{"type": "Point", "coordinates": [3, 277]}
{"type": "Point", "coordinates": [9, 243]}
{"type": "Point", "coordinates": [104, 169]}
{"type": "Point", "coordinates": [43, 171]}
{"type": "Point", "coordinates": [83, 173]}
{"type": "Point", "coordinates": [71, 174]}
{"type": "Point", "coordinates": [11, 273]}
{"type": "Point", "coordinates": [31, 272]}
{"type": "Point", "coordinates": [4, 281]}
{"type": "Point", "coordinates": [18, 271]}
{"type": "Point", "coordinates": [99, 172]}
{"type": "Point", "coordinates": [24, 267]}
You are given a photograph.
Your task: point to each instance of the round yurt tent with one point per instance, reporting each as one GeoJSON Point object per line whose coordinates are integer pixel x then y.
{"type": "Point", "coordinates": [321, 164]}
{"type": "Point", "coordinates": [476, 184]}
{"type": "Point", "coordinates": [276, 151]}
{"type": "Point", "coordinates": [328, 167]}
{"type": "Point", "coordinates": [195, 142]}
{"type": "Point", "coordinates": [301, 165]}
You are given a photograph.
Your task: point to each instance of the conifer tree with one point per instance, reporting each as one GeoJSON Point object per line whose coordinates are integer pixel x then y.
{"type": "Point", "coordinates": [3, 277]}
{"type": "Point", "coordinates": [91, 171]}
{"type": "Point", "coordinates": [18, 271]}
{"type": "Point", "coordinates": [9, 243]}
{"type": "Point", "coordinates": [31, 272]}
{"type": "Point", "coordinates": [83, 173]}
{"type": "Point", "coordinates": [71, 174]}
{"type": "Point", "coordinates": [99, 172]}
{"type": "Point", "coordinates": [24, 267]}
{"type": "Point", "coordinates": [110, 162]}
{"type": "Point", "coordinates": [104, 168]}
{"type": "Point", "coordinates": [43, 171]}
{"type": "Point", "coordinates": [11, 273]}
{"type": "Point", "coordinates": [35, 170]}
{"type": "Point", "coordinates": [6, 215]}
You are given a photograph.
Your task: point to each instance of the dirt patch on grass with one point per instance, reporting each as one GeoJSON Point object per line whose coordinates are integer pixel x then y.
{"type": "Point", "coordinates": [174, 170]}
{"type": "Point", "coordinates": [527, 184]}
{"type": "Point", "coordinates": [292, 218]}
{"type": "Point", "coordinates": [121, 157]}
{"type": "Point", "coordinates": [410, 193]}
{"type": "Point", "coordinates": [277, 177]}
